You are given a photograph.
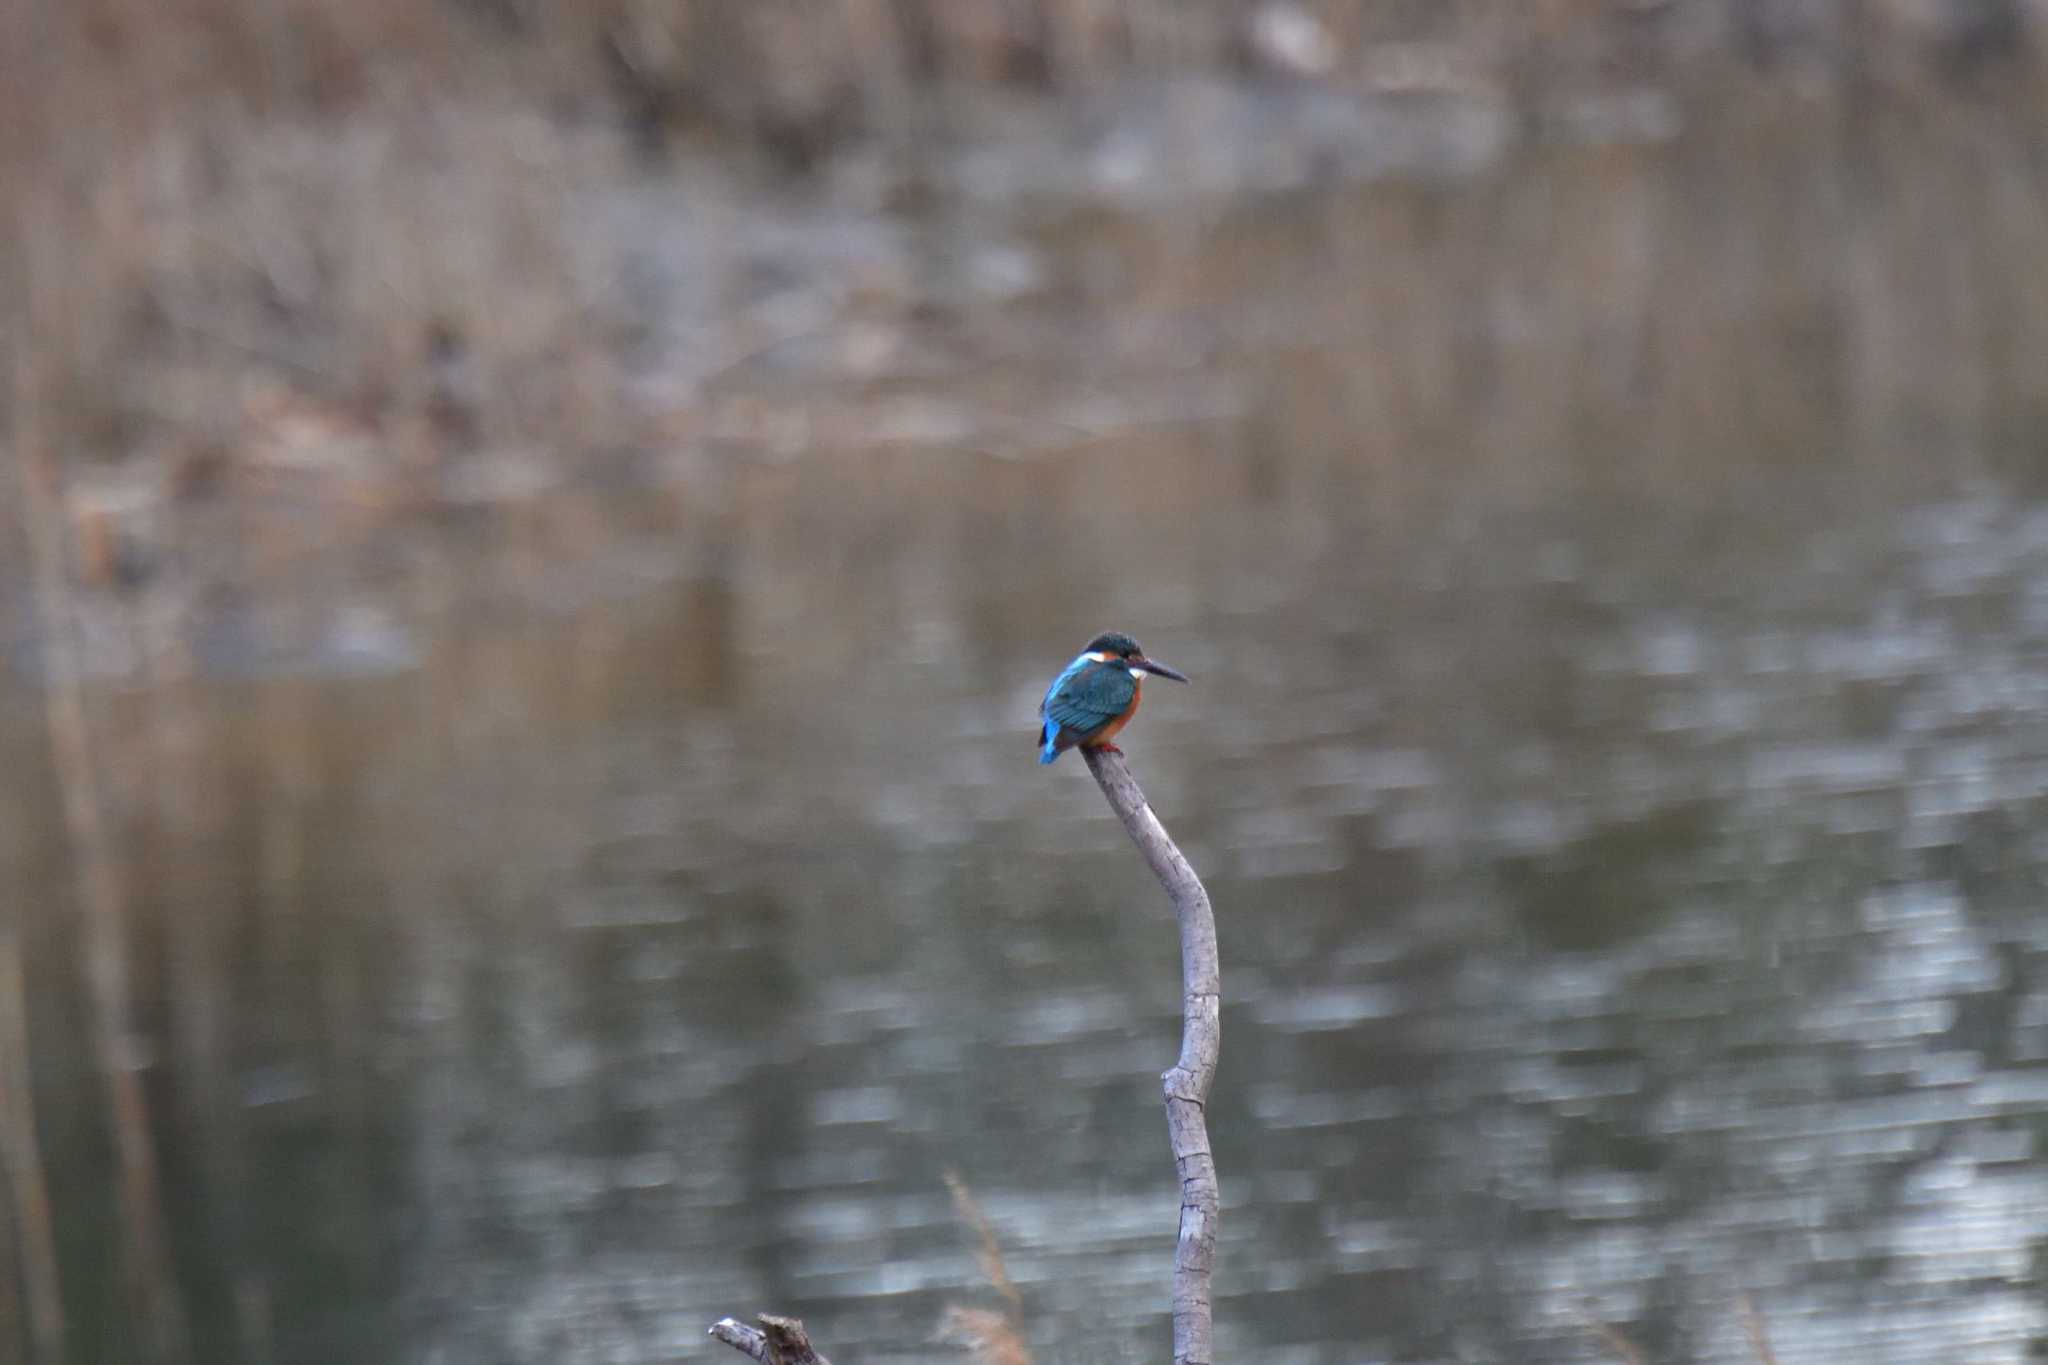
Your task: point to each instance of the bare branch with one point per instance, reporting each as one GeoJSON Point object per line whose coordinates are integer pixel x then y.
{"type": "Point", "coordinates": [1187, 1082]}
{"type": "Point", "coordinates": [780, 1341]}
{"type": "Point", "coordinates": [741, 1337]}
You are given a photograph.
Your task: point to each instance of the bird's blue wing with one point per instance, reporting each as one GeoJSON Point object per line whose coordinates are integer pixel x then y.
{"type": "Point", "coordinates": [1092, 698]}
{"type": "Point", "coordinates": [1049, 729]}
{"type": "Point", "coordinates": [1081, 700]}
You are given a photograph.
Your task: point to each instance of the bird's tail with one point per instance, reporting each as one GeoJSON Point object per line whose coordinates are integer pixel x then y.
{"type": "Point", "coordinates": [1048, 743]}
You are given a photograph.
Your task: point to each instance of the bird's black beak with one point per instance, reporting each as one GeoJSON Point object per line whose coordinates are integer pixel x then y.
{"type": "Point", "coordinates": [1154, 666]}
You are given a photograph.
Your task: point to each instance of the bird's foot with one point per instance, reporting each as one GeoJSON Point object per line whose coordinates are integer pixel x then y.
{"type": "Point", "coordinates": [1108, 749]}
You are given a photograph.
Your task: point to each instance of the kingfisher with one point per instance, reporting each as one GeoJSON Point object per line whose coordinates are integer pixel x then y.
{"type": "Point", "coordinates": [1095, 696]}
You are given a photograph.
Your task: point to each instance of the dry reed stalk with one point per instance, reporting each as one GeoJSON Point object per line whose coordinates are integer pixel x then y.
{"type": "Point", "coordinates": [101, 896]}
{"type": "Point", "coordinates": [1753, 1328]}
{"type": "Point", "coordinates": [990, 1335]}
{"type": "Point", "coordinates": [989, 1254]}
{"type": "Point", "coordinates": [1612, 1339]}
{"type": "Point", "coordinates": [11, 1340]}
{"type": "Point", "coordinates": [23, 1155]}
{"type": "Point", "coordinates": [996, 1338]}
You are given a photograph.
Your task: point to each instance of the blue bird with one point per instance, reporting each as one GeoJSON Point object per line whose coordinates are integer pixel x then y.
{"type": "Point", "coordinates": [1095, 696]}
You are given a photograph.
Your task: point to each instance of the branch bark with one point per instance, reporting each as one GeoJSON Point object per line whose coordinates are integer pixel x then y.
{"type": "Point", "coordinates": [780, 1341]}
{"type": "Point", "coordinates": [1187, 1082]}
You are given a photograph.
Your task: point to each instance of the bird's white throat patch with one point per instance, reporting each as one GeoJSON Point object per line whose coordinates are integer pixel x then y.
{"type": "Point", "coordinates": [1137, 672]}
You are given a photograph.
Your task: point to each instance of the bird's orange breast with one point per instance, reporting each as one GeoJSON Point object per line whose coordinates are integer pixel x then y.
{"type": "Point", "coordinates": [1108, 732]}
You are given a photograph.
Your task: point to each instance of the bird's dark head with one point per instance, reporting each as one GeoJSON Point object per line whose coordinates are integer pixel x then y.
{"type": "Point", "coordinates": [1113, 646]}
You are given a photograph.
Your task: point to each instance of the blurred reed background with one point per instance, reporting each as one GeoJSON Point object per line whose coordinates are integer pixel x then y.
{"type": "Point", "coordinates": [540, 530]}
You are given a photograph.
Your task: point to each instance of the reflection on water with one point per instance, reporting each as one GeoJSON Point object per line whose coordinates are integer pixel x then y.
{"type": "Point", "coordinates": [1615, 757]}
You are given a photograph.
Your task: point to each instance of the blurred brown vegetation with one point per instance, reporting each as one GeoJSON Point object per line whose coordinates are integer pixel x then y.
{"type": "Point", "coordinates": [994, 1336]}
{"type": "Point", "coordinates": [324, 245]}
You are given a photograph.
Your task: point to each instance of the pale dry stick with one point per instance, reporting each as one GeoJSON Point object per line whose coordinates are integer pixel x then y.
{"type": "Point", "coordinates": [23, 1163]}
{"type": "Point", "coordinates": [102, 942]}
{"type": "Point", "coordinates": [1187, 1082]}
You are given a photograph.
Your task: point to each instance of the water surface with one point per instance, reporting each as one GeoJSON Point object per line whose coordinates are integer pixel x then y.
{"type": "Point", "coordinates": [1618, 605]}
